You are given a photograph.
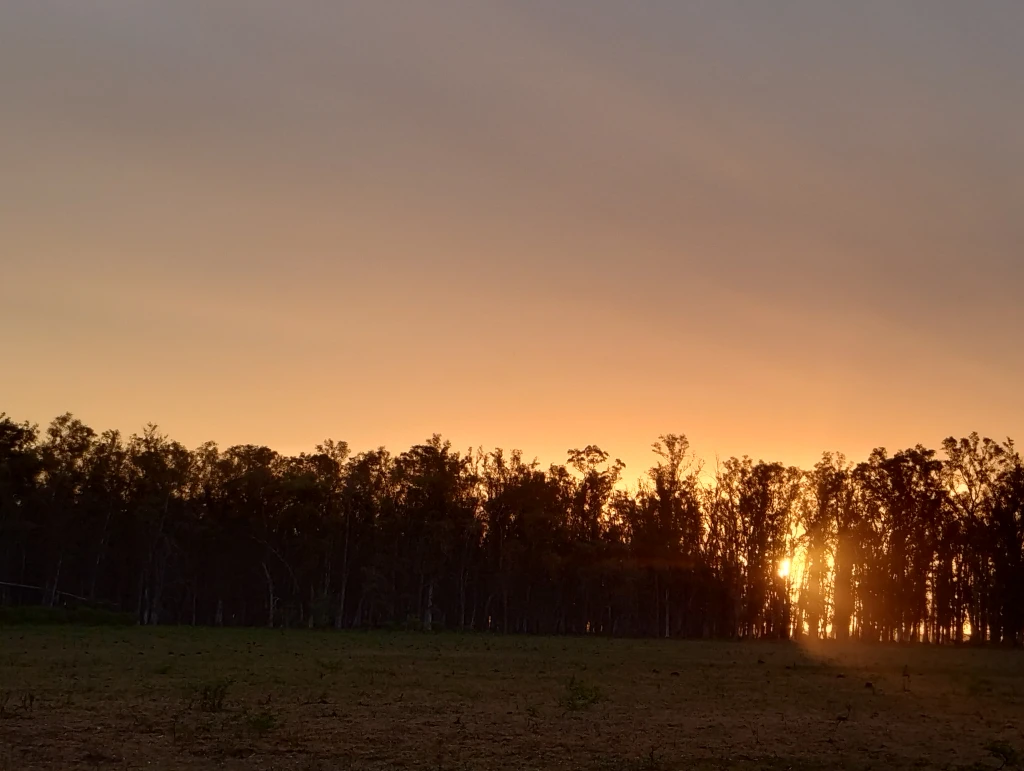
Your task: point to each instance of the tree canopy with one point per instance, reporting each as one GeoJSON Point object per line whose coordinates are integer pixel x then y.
{"type": "Point", "coordinates": [917, 545]}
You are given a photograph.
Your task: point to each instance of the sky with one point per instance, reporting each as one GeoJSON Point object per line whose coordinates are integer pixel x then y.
{"type": "Point", "coordinates": [778, 228]}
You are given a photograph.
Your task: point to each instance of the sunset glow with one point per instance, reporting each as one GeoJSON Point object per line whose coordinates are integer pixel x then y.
{"type": "Point", "coordinates": [489, 221]}
{"type": "Point", "coordinates": [573, 384]}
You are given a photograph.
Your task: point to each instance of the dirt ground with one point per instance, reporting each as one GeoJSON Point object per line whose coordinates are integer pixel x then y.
{"type": "Point", "coordinates": [179, 698]}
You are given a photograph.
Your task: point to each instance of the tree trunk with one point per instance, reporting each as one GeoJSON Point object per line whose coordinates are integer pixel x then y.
{"type": "Point", "coordinates": [270, 596]}
{"type": "Point", "coordinates": [100, 551]}
{"type": "Point", "coordinates": [56, 581]}
{"type": "Point", "coordinates": [657, 604]}
{"type": "Point", "coordinates": [668, 615]}
{"type": "Point", "coordinates": [339, 617]}
{"type": "Point", "coordinates": [428, 612]}
{"type": "Point", "coordinates": [504, 608]}
{"type": "Point", "coordinates": [156, 598]}
{"type": "Point", "coordinates": [462, 599]}
{"type": "Point", "coordinates": [843, 591]}
{"type": "Point", "coordinates": [139, 597]}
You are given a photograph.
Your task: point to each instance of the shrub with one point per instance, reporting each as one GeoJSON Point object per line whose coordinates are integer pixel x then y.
{"type": "Point", "coordinates": [210, 697]}
{"type": "Point", "coordinates": [1005, 752]}
{"type": "Point", "coordinates": [262, 722]}
{"type": "Point", "coordinates": [579, 695]}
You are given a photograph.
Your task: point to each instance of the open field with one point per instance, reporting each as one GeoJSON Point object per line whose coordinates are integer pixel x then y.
{"type": "Point", "coordinates": [179, 698]}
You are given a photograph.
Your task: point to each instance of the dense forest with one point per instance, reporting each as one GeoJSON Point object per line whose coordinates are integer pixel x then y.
{"type": "Point", "coordinates": [917, 545]}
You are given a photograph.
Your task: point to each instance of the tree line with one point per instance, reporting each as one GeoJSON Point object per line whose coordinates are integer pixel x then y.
{"type": "Point", "coordinates": [913, 546]}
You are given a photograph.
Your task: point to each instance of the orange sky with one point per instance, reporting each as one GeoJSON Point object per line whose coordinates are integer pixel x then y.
{"type": "Point", "coordinates": [777, 230]}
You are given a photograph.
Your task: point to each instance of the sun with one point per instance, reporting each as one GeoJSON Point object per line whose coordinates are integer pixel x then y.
{"type": "Point", "coordinates": [784, 568]}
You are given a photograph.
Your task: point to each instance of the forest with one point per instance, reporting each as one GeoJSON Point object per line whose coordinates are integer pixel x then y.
{"type": "Point", "coordinates": [918, 545]}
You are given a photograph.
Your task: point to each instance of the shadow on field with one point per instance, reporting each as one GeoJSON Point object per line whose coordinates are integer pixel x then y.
{"type": "Point", "coordinates": [178, 698]}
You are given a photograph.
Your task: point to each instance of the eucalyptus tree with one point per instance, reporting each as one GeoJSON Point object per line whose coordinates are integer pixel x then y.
{"type": "Point", "coordinates": [520, 546]}
{"type": "Point", "coordinates": [827, 517]}
{"type": "Point", "coordinates": [587, 492]}
{"type": "Point", "coordinates": [902, 547]}
{"type": "Point", "coordinates": [63, 455]}
{"type": "Point", "coordinates": [901, 501]}
{"type": "Point", "coordinates": [982, 478]}
{"type": "Point", "coordinates": [1007, 549]}
{"type": "Point", "coordinates": [370, 540]}
{"type": "Point", "coordinates": [106, 494]}
{"type": "Point", "coordinates": [250, 519]}
{"type": "Point", "coordinates": [438, 512]}
{"type": "Point", "coordinates": [668, 537]}
{"type": "Point", "coordinates": [158, 471]}
{"type": "Point", "coordinates": [20, 470]}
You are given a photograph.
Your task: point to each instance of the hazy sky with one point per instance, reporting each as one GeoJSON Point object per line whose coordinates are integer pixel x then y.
{"type": "Point", "coordinates": [776, 227]}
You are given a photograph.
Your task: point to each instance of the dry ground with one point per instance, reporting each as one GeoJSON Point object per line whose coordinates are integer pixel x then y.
{"type": "Point", "coordinates": [151, 698]}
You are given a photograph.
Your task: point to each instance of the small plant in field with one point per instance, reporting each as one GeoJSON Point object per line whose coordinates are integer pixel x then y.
{"type": "Point", "coordinates": [330, 667]}
{"type": "Point", "coordinates": [262, 722]}
{"type": "Point", "coordinates": [210, 697]}
{"type": "Point", "coordinates": [1005, 752]}
{"type": "Point", "coordinates": [579, 695]}
{"type": "Point", "coordinates": [532, 718]}
{"type": "Point", "coordinates": [318, 698]}
{"type": "Point", "coordinates": [12, 703]}
{"type": "Point", "coordinates": [650, 761]}
{"type": "Point", "coordinates": [181, 731]}
{"type": "Point", "coordinates": [28, 702]}
{"type": "Point", "coordinates": [164, 669]}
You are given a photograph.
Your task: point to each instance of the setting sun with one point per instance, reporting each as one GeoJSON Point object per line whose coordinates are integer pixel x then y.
{"type": "Point", "coordinates": [784, 568]}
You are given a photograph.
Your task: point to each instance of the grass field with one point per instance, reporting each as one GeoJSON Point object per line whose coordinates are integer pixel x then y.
{"type": "Point", "coordinates": [178, 698]}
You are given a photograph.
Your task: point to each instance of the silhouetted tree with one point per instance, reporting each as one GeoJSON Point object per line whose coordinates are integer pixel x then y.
{"type": "Point", "coordinates": [910, 546]}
